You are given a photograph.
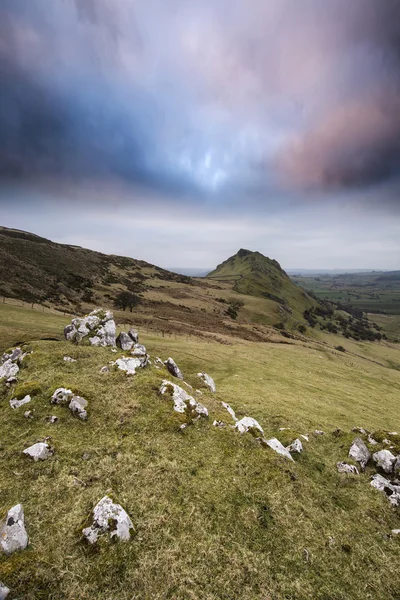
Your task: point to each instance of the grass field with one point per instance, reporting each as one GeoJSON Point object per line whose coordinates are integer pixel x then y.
{"type": "Point", "coordinates": [215, 515]}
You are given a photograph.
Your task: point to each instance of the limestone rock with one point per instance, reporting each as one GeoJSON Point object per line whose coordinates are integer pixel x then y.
{"type": "Point", "coordinates": [104, 369]}
{"type": "Point", "coordinates": [305, 437]}
{"type": "Point", "coordinates": [249, 424]}
{"type": "Point", "coordinates": [53, 419]}
{"type": "Point", "coordinates": [28, 414]}
{"type": "Point", "coordinates": [14, 403]}
{"type": "Point", "coordinates": [129, 365]}
{"type": "Point", "coordinates": [70, 333]}
{"type": "Point", "coordinates": [183, 402]}
{"type": "Point", "coordinates": [295, 446]}
{"type": "Point", "coordinates": [230, 410]}
{"type": "Point", "coordinates": [100, 325]}
{"type": "Point", "coordinates": [396, 465]}
{"type": "Point", "coordinates": [219, 424]}
{"type": "Point", "coordinates": [173, 368]}
{"type": "Point", "coordinates": [108, 518]}
{"type": "Point", "coordinates": [359, 452]}
{"type": "Point", "coordinates": [124, 341]}
{"type": "Point", "coordinates": [39, 451]}
{"type": "Point", "coordinates": [134, 335]}
{"type": "Point", "coordinates": [4, 591]}
{"type": "Point", "coordinates": [343, 467]}
{"type": "Point", "coordinates": [13, 534]}
{"type": "Point", "coordinates": [208, 381]}
{"type": "Point", "coordinates": [394, 532]}
{"type": "Point", "coordinates": [69, 359]}
{"type": "Point", "coordinates": [61, 396]}
{"type": "Point", "coordinates": [391, 489]}
{"type": "Point", "coordinates": [8, 369]}
{"type": "Point", "coordinates": [372, 441]}
{"type": "Point", "coordinates": [14, 355]}
{"type": "Point", "coordinates": [276, 445]}
{"type": "Point", "coordinates": [319, 432]}
{"type": "Point", "coordinates": [78, 405]}
{"type": "Point", "coordinates": [385, 460]}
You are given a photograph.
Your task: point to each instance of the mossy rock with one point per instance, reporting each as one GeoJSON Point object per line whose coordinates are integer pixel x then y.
{"type": "Point", "coordinates": [31, 388]}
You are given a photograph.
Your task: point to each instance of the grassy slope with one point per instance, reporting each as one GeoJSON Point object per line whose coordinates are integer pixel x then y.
{"type": "Point", "coordinates": [216, 516]}
{"type": "Point", "coordinates": [253, 274]}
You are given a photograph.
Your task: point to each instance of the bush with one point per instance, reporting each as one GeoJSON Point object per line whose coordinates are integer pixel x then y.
{"type": "Point", "coordinates": [340, 348]}
{"type": "Point", "coordinates": [302, 328]}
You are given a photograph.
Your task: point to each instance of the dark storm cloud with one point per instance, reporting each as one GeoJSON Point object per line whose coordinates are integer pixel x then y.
{"type": "Point", "coordinates": [234, 99]}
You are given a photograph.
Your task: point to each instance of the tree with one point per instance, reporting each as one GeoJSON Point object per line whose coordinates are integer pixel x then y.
{"type": "Point", "coordinates": [126, 300]}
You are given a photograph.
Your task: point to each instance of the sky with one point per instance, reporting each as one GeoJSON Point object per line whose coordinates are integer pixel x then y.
{"type": "Point", "coordinates": [178, 131]}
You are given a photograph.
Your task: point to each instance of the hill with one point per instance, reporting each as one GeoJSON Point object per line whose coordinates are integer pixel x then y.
{"type": "Point", "coordinates": [254, 274]}
{"type": "Point", "coordinates": [216, 516]}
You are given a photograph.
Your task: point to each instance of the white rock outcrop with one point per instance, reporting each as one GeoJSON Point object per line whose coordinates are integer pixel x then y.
{"type": "Point", "coordinates": [230, 410]}
{"type": "Point", "coordinates": [111, 519]}
{"type": "Point", "coordinates": [208, 381]}
{"type": "Point", "coordinates": [8, 369]}
{"type": "Point", "coordinates": [249, 424]}
{"type": "Point", "coordinates": [183, 402]}
{"type": "Point", "coordinates": [99, 325]}
{"type": "Point", "coordinates": [276, 445]}
{"type": "Point", "coordinates": [14, 403]}
{"type": "Point", "coordinates": [359, 452]}
{"type": "Point", "coordinates": [295, 446]}
{"type": "Point", "coordinates": [39, 451]}
{"type": "Point", "coordinates": [385, 460]}
{"type": "Point", "coordinates": [69, 359]}
{"type": "Point", "coordinates": [173, 368]}
{"type": "Point", "coordinates": [13, 536]}
{"type": "Point", "coordinates": [128, 365]}
{"type": "Point", "coordinates": [78, 406]}
{"type": "Point", "coordinates": [4, 591]}
{"type": "Point", "coordinates": [343, 467]}
{"type": "Point", "coordinates": [61, 396]}
{"type": "Point", "coordinates": [124, 341]}
{"type": "Point", "coordinates": [392, 490]}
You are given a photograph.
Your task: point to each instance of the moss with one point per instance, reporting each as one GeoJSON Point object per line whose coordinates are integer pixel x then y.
{"type": "Point", "coordinates": [31, 388]}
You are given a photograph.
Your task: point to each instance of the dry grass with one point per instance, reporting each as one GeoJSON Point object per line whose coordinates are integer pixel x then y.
{"type": "Point", "coordinates": [216, 516]}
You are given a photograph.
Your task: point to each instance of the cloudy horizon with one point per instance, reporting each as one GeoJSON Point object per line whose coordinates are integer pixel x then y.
{"type": "Point", "coordinates": [179, 132]}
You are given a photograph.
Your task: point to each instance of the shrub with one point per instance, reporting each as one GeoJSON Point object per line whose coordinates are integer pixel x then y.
{"type": "Point", "coordinates": [340, 348]}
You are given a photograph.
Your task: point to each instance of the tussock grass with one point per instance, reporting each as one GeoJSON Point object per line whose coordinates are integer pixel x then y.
{"type": "Point", "coordinates": [215, 515]}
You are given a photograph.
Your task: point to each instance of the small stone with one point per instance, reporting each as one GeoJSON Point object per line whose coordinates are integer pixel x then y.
{"type": "Point", "coordinates": [53, 419]}
{"type": "Point", "coordinates": [305, 437]}
{"type": "Point", "coordinates": [11, 380]}
{"type": "Point", "coordinates": [372, 441]}
{"type": "Point", "coordinates": [108, 518]}
{"type": "Point", "coordinates": [14, 403]}
{"type": "Point", "coordinates": [69, 359]}
{"type": "Point", "coordinates": [8, 369]}
{"type": "Point", "coordinates": [208, 381]}
{"type": "Point", "coordinates": [319, 432]}
{"type": "Point", "coordinates": [386, 442]}
{"type": "Point", "coordinates": [343, 467]}
{"type": "Point", "coordinates": [359, 452]}
{"type": "Point", "coordinates": [114, 350]}
{"type": "Point", "coordinates": [173, 368]}
{"type": "Point", "coordinates": [86, 456]}
{"type": "Point", "coordinates": [183, 402]}
{"type": "Point", "coordinates": [295, 446]}
{"type": "Point", "coordinates": [219, 424]}
{"type": "Point", "coordinates": [13, 534]}
{"type": "Point", "coordinates": [395, 531]}
{"type": "Point", "coordinates": [129, 365]}
{"type": "Point", "coordinates": [28, 414]}
{"type": "Point", "coordinates": [78, 405]}
{"type": "Point", "coordinates": [61, 396]}
{"type": "Point", "coordinates": [104, 369]}
{"type": "Point", "coordinates": [230, 410]}
{"type": "Point", "coordinates": [276, 445]}
{"type": "Point", "coordinates": [4, 591]}
{"type": "Point", "coordinates": [124, 341]}
{"type": "Point", "coordinates": [385, 460]}
{"type": "Point", "coordinates": [249, 424]}
{"type": "Point", "coordinates": [39, 451]}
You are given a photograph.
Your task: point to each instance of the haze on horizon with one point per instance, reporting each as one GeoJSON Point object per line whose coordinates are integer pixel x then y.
{"type": "Point", "coordinates": [178, 132]}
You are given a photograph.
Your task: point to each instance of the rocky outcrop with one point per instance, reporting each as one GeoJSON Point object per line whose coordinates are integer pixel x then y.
{"type": "Point", "coordinates": [98, 326]}
{"type": "Point", "coordinates": [124, 341]}
{"type": "Point", "coordinates": [249, 424]}
{"type": "Point", "coordinates": [360, 453]}
{"type": "Point", "coordinates": [173, 368]}
{"type": "Point", "coordinates": [391, 490]}
{"type": "Point", "coordinates": [15, 403]}
{"type": "Point", "coordinates": [69, 359]}
{"type": "Point", "coordinates": [76, 404]}
{"type": "Point", "coordinates": [183, 402]}
{"type": "Point", "coordinates": [385, 460]}
{"type": "Point", "coordinates": [108, 519]}
{"type": "Point", "coordinates": [128, 365]}
{"type": "Point", "coordinates": [208, 381]}
{"type": "Point", "coordinates": [343, 467]}
{"type": "Point", "coordinates": [39, 451]}
{"type": "Point", "coordinates": [276, 445]}
{"type": "Point", "coordinates": [230, 410]}
{"type": "Point", "coordinates": [4, 591]}
{"type": "Point", "coordinates": [295, 446]}
{"type": "Point", "coordinates": [8, 369]}
{"type": "Point", "coordinates": [13, 536]}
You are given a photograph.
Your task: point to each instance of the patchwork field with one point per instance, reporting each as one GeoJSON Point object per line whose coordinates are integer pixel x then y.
{"type": "Point", "coordinates": [216, 515]}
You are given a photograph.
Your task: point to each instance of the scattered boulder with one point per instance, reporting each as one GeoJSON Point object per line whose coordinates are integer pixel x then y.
{"type": "Point", "coordinates": [52, 419]}
{"type": "Point", "coordinates": [295, 446]}
{"type": "Point", "coordinates": [124, 341]}
{"type": "Point", "coordinates": [108, 518]}
{"type": "Point", "coordinates": [208, 381]}
{"type": "Point", "coordinates": [372, 441]}
{"type": "Point", "coordinates": [319, 432]}
{"type": "Point", "coordinates": [69, 359]}
{"type": "Point", "coordinates": [173, 368]}
{"type": "Point", "coordinates": [129, 365]}
{"type": "Point", "coordinates": [139, 351]}
{"type": "Point", "coordinates": [61, 396]}
{"type": "Point", "coordinates": [183, 402]}
{"type": "Point", "coordinates": [276, 445]}
{"type": "Point", "coordinates": [28, 414]}
{"type": "Point", "coordinates": [385, 460]}
{"type": "Point", "coordinates": [134, 335]}
{"type": "Point", "coordinates": [249, 424]}
{"type": "Point", "coordinates": [219, 424]}
{"type": "Point", "coordinates": [391, 490]}
{"type": "Point", "coordinates": [4, 591]}
{"type": "Point", "coordinates": [359, 452]}
{"type": "Point", "coordinates": [39, 451]}
{"type": "Point", "coordinates": [13, 534]}
{"type": "Point", "coordinates": [230, 410]}
{"type": "Point", "coordinates": [99, 325]}
{"type": "Point", "coordinates": [14, 403]}
{"type": "Point", "coordinates": [305, 437]}
{"type": "Point", "coordinates": [8, 369]}
{"type": "Point", "coordinates": [343, 467]}
{"type": "Point", "coordinates": [14, 355]}
{"type": "Point", "coordinates": [104, 369]}
{"type": "Point", "coordinates": [78, 405]}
